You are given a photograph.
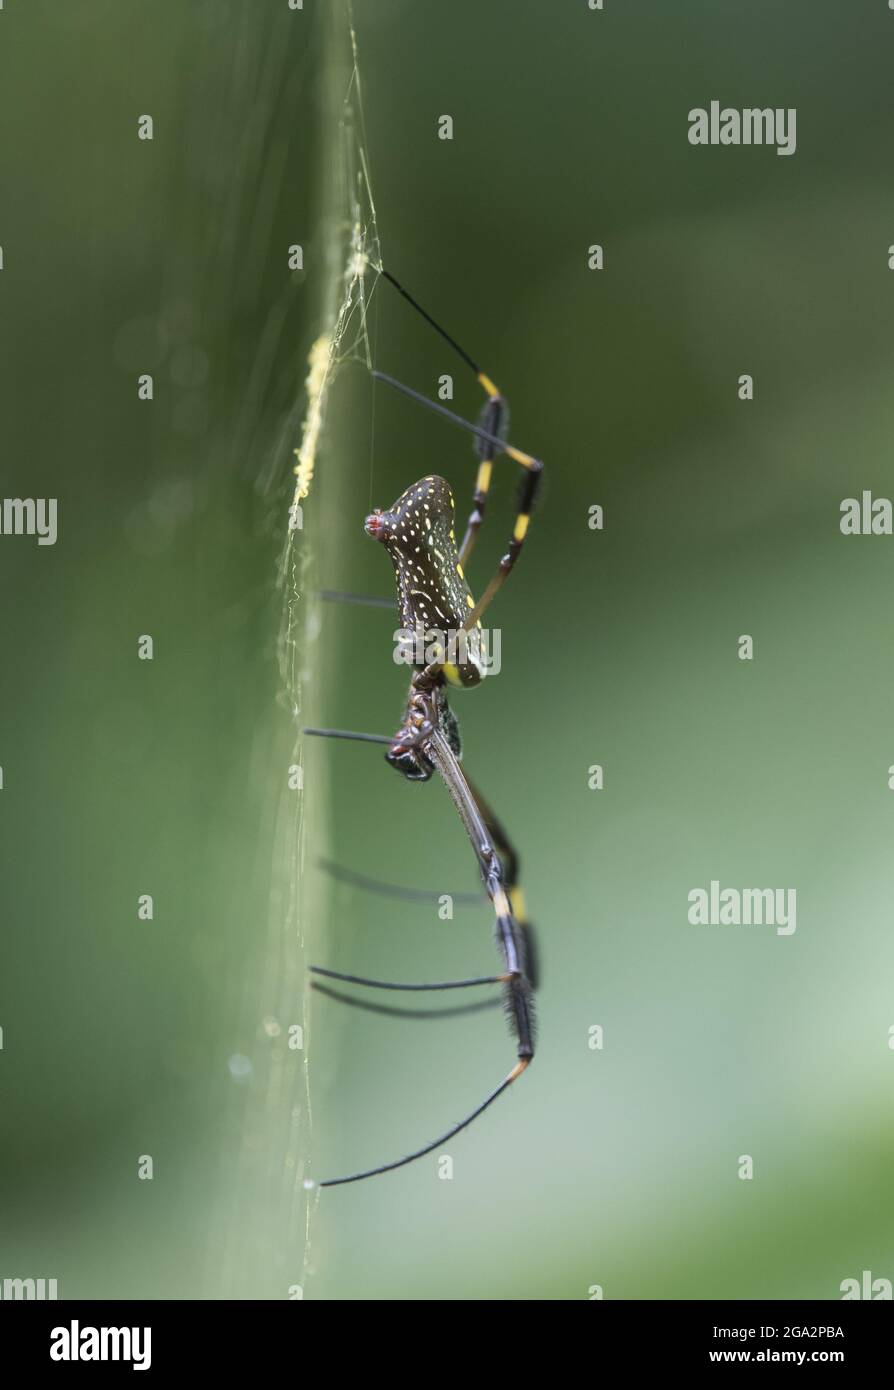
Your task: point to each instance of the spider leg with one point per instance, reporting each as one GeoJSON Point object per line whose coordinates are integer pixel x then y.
{"type": "Point", "coordinates": [527, 494]}
{"type": "Point", "coordinates": [510, 933]}
{"type": "Point", "coordinates": [500, 882]}
{"type": "Point", "coordinates": [493, 420]}
{"type": "Point", "coordinates": [510, 862]}
{"type": "Point", "coordinates": [435, 1143]}
{"type": "Point", "coordinates": [389, 984]}
{"type": "Point", "coordinates": [392, 890]}
{"type": "Point", "coordinates": [475, 817]}
{"type": "Point", "coordinates": [369, 1004]}
{"type": "Point", "coordinates": [395, 890]}
{"type": "Point", "coordinates": [347, 733]}
{"type": "Point", "coordinates": [529, 488]}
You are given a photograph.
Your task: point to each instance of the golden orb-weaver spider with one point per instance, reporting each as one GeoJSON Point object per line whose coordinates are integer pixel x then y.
{"type": "Point", "coordinates": [432, 591]}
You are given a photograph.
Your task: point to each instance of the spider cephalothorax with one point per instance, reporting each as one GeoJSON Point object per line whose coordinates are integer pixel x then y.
{"type": "Point", "coordinates": [427, 710]}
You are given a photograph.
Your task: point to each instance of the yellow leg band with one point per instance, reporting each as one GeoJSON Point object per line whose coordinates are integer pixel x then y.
{"type": "Point", "coordinates": [517, 898]}
{"type": "Point", "coordinates": [485, 470]}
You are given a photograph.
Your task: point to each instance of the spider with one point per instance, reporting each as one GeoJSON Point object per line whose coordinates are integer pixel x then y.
{"type": "Point", "coordinates": [418, 534]}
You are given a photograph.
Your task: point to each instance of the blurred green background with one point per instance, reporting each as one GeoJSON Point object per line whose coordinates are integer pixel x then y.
{"type": "Point", "coordinates": [615, 1167]}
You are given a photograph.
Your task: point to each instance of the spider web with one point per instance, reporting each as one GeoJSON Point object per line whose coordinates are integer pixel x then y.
{"type": "Point", "coordinates": [353, 251]}
{"type": "Point", "coordinates": [346, 336]}
{"type": "Point", "coordinates": [353, 255]}
{"type": "Point", "coordinates": [353, 248]}
{"type": "Point", "coordinates": [267, 1243]}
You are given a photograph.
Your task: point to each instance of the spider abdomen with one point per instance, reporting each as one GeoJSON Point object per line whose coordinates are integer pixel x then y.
{"type": "Point", "coordinates": [433, 596]}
